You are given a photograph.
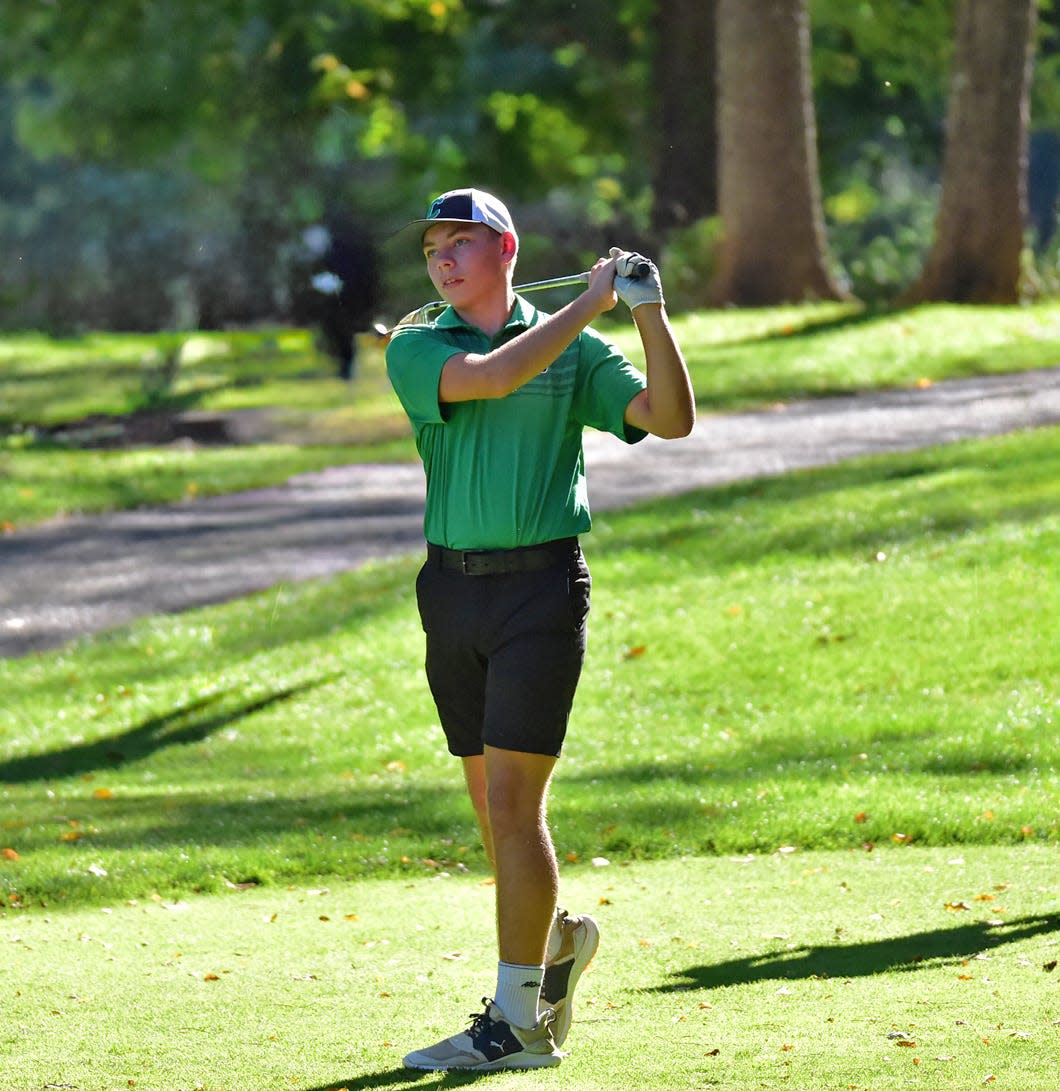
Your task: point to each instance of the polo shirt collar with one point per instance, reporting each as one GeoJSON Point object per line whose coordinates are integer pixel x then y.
{"type": "Point", "coordinates": [523, 316]}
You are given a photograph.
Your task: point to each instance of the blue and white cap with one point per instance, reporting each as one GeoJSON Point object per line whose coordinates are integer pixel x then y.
{"type": "Point", "coordinates": [468, 206]}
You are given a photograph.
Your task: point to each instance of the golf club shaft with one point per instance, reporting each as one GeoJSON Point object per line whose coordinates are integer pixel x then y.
{"type": "Point", "coordinates": [534, 286]}
{"type": "Point", "coordinates": [424, 313]}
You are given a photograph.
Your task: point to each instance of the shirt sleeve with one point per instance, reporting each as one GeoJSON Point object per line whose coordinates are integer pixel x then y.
{"type": "Point", "coordinates": [414, 362]}
{"type": "Point", "coordinates": [608, 383]}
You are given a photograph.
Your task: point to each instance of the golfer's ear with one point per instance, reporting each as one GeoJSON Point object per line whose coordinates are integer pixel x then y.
{"type": "Point", "coordinates": [509, 246]}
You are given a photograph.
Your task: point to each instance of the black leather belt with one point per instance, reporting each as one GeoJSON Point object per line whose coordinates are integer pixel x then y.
{"type": "Point", "coordinates": [499, 562]}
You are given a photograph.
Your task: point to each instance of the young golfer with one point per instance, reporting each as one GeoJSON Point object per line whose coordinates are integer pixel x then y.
{"type": "Point", "coordinates": [498, 394]}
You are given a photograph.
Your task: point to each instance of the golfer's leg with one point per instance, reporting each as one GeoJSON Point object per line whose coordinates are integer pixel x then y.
{"type": "Point", "coordinates": [475, 778]}
{"type": "Point", "coordinates": [525, 859]}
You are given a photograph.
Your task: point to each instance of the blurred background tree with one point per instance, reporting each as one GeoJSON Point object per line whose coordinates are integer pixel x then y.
{"type": "Point", "coordinates": [979, 236]}
{"type": "Point", "coordinates": [161, 160]}
{"type": "Point", "coordinates": [773, 246]}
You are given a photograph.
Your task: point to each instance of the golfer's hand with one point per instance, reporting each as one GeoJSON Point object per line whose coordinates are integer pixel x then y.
{"type": "Point", "coordinates": [634, 290]}
{"type": "Point", "coordinates": [602, 285]}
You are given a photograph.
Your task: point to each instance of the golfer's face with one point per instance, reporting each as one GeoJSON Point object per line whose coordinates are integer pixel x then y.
{"type": "Point", "coordinates": [464, 261]}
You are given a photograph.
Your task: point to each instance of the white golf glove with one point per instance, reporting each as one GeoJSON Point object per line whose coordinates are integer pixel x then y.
{"type": "Point", "coordinates": [632, 289]}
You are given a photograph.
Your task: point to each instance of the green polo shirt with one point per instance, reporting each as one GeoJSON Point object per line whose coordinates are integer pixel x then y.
{"type": "Point", "coordinates": [510, 471]}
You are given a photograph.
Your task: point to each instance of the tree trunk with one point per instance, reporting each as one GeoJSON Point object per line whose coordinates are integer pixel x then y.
{"type": "Point", "coordinates": [684, 70]}
{"type": "Point", "coordinates": [979, 229]}
{"type": "Point", "coordinates": [773, 248]}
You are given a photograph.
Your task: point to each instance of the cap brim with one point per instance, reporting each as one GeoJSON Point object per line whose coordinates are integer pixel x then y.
{"type": "Point", "coordinates": [418, 228]}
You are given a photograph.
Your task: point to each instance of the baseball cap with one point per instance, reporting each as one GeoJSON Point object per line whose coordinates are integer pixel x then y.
{"type": "Point", "coordinates": [467, 206]}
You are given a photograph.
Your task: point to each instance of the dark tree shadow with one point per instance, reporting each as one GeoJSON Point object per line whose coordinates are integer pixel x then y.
{"type": "Point", "coordinates": [899, 954]}
{"type": "Point", "coordinates": [187, 724]}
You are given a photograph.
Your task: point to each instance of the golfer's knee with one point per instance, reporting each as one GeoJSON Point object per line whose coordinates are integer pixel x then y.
{"type": "Point", "coordinates": [513, 808]}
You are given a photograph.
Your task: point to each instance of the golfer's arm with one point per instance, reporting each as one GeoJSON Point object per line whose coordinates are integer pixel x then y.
{"type": "Point", "coordinates": [470, 376]}
{"type": "Point", "coordinates": [667, 408]}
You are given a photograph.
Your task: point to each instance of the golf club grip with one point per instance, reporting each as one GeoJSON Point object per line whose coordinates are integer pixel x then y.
{"type": "Point", "coordinates": [641, 270]}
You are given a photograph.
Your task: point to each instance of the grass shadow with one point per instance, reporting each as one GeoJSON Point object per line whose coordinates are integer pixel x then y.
{"type": "Point", "coordinates": [190, 723]}
{"type": "Point", "coordinates": [404, 1077]}
{"type": "Point", "coordinates": [900, 954]}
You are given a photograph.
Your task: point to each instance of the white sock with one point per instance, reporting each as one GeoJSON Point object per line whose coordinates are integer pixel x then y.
{"type": "Point", "coordinates": [518, 991]}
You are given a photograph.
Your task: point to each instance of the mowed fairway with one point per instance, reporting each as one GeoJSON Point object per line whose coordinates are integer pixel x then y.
{"type": "Point", "coordinates": [905, 967]}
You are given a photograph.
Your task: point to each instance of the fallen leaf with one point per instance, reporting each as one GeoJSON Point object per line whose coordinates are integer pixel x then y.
{"type": "Point", "coordinates": [901, 838]}
{"type": "Point", "coordinates": [103, 793]}
{"type": "Point", "coordinates": [957, 907]}
{"type": "Point", "coordinates": [607, 901]}
{"type": "Point", "coordinates": [984, 897]}
{"type": "Point", "coordinates": [395, 767]}
{"type": "Point", "coordinates": [635, 652]}
{"type": "Point", "coordinates": [861, 816]}
{"type": "Point", "coordinates": [908, 1043]}
{"type": "Point", "coordinates": [210, 977]}
{"type": "Point", "coordinates": [1050, 966]}
{"type": "Point", "coordinates": [1027, 831]}
{"type": "Point", "coordinates": [10, 854]}
{"type": "Point", "coordinates": [990, 1078]}
{"type": "Point", "coordinates": [572, 857]}
{"type": "Point", "coordinates": [712, 1053]}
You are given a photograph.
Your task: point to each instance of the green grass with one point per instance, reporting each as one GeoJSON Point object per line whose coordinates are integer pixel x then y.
{"type": "Point", "coordinates": [815, 743]}
{"type": "Point", "coordinates": [44, 382]}
{"type": "Point", "coordinates": [42, 482]}
{"type": "Point", "coordinates": [738, 359]}
{"type": "Point", "coordinates": [905, 967]}
{"type": "Point", "coordinates": [859, 654]}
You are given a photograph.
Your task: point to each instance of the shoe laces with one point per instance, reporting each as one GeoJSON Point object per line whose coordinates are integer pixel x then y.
{"type": "Point", "coordinates": [480, 1019]}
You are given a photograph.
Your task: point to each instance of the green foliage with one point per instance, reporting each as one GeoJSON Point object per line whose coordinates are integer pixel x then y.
{"type": "Point", "coordinates": [687, 264]}
{"type": "Point", "coordinates": [160, 161]}
{"type": "Point", "coordinates": [881, 223]}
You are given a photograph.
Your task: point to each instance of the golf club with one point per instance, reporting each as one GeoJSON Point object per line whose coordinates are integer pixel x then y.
{"type": "Point", "coordinates": [424, 313]}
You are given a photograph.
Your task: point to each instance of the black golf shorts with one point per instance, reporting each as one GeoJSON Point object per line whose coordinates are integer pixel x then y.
{"type": "Point", "coordinates": [505, 651]}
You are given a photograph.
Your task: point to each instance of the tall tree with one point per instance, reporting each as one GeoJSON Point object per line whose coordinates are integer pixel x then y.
{"type": "Point", "coordinates": [773, 246]}
{"type": "Point", "coordinates": [684, 81]}
{"type": "Point", "coordinates": [982, 211]}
